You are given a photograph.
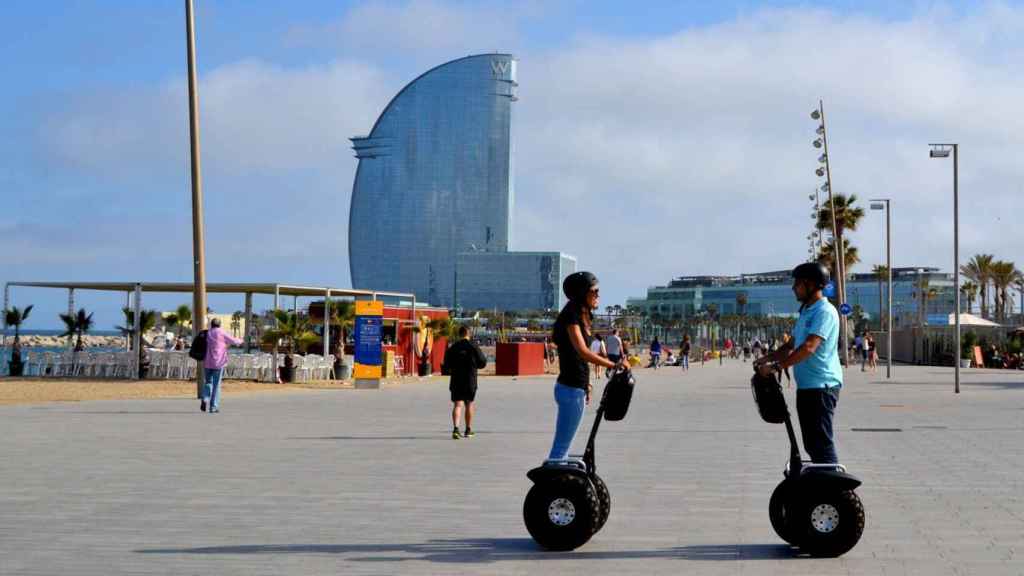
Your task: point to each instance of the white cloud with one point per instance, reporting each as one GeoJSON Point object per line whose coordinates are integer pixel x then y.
{"type": "Point", "coordinates": [692, 153]}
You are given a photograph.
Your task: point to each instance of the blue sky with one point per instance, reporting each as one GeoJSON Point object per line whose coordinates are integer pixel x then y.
{"type": "Point", "coordinates": [678, 121]}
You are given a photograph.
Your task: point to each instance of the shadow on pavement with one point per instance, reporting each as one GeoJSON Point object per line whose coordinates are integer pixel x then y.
{"type": "Point", "coordinates": [488, 550]}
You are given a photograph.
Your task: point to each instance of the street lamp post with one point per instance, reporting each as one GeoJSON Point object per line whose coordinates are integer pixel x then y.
{"type": "Point", "coordinates": [838, 252]}
{"type": "Point", "coordinates": [198, 242]}
{"type": "Point", "coordinates": [942, 151]}
{"type": "Point", "coordinates": [877, 205]}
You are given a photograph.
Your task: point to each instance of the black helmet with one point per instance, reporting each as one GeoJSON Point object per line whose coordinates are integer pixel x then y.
{"type": "Point", "coordinates": [814, 271]}
{"type": "Point", "coordinates": [576, 285]}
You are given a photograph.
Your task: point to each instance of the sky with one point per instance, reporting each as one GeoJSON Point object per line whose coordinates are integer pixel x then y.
{"type": "Point", "coordinates": [652, 139]}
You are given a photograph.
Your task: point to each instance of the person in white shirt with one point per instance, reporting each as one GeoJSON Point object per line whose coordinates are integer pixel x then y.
{"type": "Point", "coordinates": [598, 347]}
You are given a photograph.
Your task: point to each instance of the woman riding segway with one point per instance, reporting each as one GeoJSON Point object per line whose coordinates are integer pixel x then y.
{"type": "Point", "coordinates": [568, 502]}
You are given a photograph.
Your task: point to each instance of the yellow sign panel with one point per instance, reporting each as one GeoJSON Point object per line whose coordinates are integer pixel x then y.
{"type": "Point", "coordinates": [363, 371]}
{"type": "Point", "coordinates": [369, 308]}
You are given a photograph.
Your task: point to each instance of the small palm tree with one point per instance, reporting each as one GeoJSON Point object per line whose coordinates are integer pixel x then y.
{"type": "Point", "coordinates": [184, 314]}
{"type": "Point", "coordinates": [741, 303]}
{"type": "Point", "coordinates": [850, 256]}
{"type": "Point", "coordinates": [1003, 275]}
{"type": "Point", "coordinates": [77, 325]}
{"type": "Point", "coordinates": [147, 321]}
{"type": "Point", "coordinates": [294, 329]}
{"type": "Point", "coordinates": [236, 322]}
{"type": "Point", "coordinates": [171, 322]}
{"type": "Point", "coordinates": [15, 316]}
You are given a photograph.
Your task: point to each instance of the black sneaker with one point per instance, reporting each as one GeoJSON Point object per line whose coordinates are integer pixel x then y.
{"type": "Point", "coordinates": [202, 405]}
{"type": "Point", "coordinates": [455, 434]}
{"type": "Point", "coordinates": [469, 433]}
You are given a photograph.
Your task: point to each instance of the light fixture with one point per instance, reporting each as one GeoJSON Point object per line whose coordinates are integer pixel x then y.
{"type": "Point", "coordinates": [820, 171]}
{"type": "Point", "coordinates": [810, 196]}
{"type": "Point", "coordinates": [817, 143]}
{"type": "Point", "coordinates": [939, 152]}
{"type": "Point", "coordinates": [824, 187]}
{"type": "Point", "coordinates": [823, 158]}
{"type": "Point", "coordinates": [815, 114]}
{"type": "Point", "coordinates": [820, 130]}
{"type": "Point", "coordinates": [877, 206]}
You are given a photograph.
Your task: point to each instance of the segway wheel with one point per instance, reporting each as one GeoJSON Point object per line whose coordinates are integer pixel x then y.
{"type": "Point", "coordinates": [777, 514]}
{"type": "Point", "coordinates": [833, 523]}
{"type": "Point", "coordinates": [561, 513]}
{"type": "Point", "coordinates": [604, 499]}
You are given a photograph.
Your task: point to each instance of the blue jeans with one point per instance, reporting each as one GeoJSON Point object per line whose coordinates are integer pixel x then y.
{"type": "Point", "coordinates": [211, 387]}
{"type": "Point", "coordinates": [816, 408]}
{"type": "Point", "coordinates": [684, 361]}
{"type": "Point", "coordinates": [571, 402]}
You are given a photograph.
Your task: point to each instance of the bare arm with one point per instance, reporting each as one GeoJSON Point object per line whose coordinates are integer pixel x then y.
{"type": "Point", "coordinates": [576, 337]}
{"type": "Point", "coordinates": [803, 352]}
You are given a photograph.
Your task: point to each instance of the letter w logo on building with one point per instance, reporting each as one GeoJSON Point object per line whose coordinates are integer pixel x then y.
{"type": "Point", "coordinates": [499, 67]}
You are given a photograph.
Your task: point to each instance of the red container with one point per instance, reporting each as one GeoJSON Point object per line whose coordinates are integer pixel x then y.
{"type": "Point", "coordinates": [519, 359]}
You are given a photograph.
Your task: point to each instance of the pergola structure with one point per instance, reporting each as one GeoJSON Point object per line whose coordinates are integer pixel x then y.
{"type": "Point", "coordinates": [277, 290]}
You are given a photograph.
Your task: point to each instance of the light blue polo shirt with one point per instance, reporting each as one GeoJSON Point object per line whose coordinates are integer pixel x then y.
{"type": "Point", "coordinates": [821, 369]}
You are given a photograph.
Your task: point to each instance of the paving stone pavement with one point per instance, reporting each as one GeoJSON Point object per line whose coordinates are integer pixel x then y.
{"type": "Point", "coordinates": [370, 482]}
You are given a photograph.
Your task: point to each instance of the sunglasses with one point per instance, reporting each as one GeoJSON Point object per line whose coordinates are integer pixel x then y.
{"type": "Point", "coordinates": [595, 291]}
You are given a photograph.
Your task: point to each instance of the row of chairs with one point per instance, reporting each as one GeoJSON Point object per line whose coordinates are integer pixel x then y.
{"type": "Point", "coordinates": [69, 364]}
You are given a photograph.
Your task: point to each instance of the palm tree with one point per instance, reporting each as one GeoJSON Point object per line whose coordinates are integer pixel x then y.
{"type": "Point", "coordinates": [970, 292]}
{"type": "Point", "coordinates": [294, 329]}
{"type": "Point", "coordinates": [170, 322]}
{"type": "Point", "coordinates": [1019, 285]}
{"type": "Point", "coordinates": [77, 325]}
{"type": "Point", "coordinates": [236, 322]}
{"type": "Point", "coordinates": [15, 317]}
{"type": "Point", "coordinates": [741, 302]}
{"type": "Point", "coordinates": [147, 321]}
{"type": "Point", "coordinates": [923, 294]}
{"type": "Point", "coordinates": [848, 217]}
{"type": "Point", "coordinates": [850, 256]}
{"type": "Point", "coordinates": [1003, 275]}
{"type": "Point", "coordinates": [979, 270]}
{"type": "Point", "coordinates": [184, 314]}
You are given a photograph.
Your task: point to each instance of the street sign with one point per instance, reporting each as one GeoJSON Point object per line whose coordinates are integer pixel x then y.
{"type": "Point", "coordinates": [829, 290]}
{"type": "Point", "coordinates": [845, 309]}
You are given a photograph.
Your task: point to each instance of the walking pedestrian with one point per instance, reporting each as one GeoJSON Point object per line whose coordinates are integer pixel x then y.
{"type": "Point", "coordinates": [871, 351]}
{"type": "Point", "coordinates": [684, 353]}
{"type": "Point", "coordinates": [597, 347]}
{"type": "Point", "coordinates": [217, 342]}
{"type": "Point", "coordinates": [572, 335]}
{"type": "Point", "coordinates": [655, 353]}
{"type": "Point", "coordinates": [613, 346]}
{"type": "Point", "coordinates": [461, 361]}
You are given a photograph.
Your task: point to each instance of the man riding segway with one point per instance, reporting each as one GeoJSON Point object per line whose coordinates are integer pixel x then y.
{"type": "Point", "coordinates": [813, 354]}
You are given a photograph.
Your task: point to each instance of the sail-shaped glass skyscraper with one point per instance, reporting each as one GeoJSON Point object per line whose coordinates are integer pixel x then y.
{"type": "Point", "coordinates": [435, 180]}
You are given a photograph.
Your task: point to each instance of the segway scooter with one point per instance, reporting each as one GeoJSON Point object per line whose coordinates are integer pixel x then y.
{"type": "Point", "coordinates": [569, 502]}
{"type": "Point", "coordinates": [815, 507]}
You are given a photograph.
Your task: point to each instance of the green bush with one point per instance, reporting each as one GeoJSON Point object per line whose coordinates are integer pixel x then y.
{"type": "Point", "coordinates": [967, 344]}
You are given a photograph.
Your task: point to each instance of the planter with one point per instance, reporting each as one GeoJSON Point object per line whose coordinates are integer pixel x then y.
{"type": "Point", "coordinates": [965, 362]}
{"type": "Point", "coordinates": [16, 368]}
{"type": "Point", "coordinates": [287, 373]}
{"type": "Point", "coordinates": [342, 370]}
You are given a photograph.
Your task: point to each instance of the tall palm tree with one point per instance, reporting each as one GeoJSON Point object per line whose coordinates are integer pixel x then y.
{"type": "Point", "coordinates": [1019, 285]}
{"type": "Point", "coordinates": [236, 322]}
{"type": "Point", "coordinates": [881, 272]}
{"type": "Point", "coordinates": [1003, 275]}
{"type": "Point", "coordinates": [848, 216]}
{"type": "Point", "coordinates": [77, 325]}
{"type": "Point", "coordinates": [850, 256]}
{"type": "Point", "coordinates": [970, 292]}
{"type": "Point", "coordinates": [979, 270]}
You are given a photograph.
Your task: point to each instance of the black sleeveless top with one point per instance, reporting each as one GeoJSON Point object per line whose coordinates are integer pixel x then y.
{"type": "Point", "coordinates": [572, 368]}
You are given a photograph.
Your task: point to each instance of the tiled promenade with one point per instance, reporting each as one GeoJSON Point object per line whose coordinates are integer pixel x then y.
{"type": "Point", "coordinates": [369, 482]}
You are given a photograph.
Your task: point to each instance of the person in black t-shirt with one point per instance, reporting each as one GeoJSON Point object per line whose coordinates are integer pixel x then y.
{"type": "Point", "coordinates": [572, 335]}
{"type": "Point", "coordinates": [461, 361]}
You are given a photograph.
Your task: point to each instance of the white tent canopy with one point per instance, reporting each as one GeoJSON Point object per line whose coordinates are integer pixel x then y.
{"type": "Point", "coordinates": [971, 320]}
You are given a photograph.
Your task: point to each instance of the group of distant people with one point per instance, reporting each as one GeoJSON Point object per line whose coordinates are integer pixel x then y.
{"type": "Point", "coordinates": [864, 346]}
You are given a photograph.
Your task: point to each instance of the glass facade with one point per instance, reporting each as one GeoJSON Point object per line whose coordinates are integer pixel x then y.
{"type": "Point", "coordinates": [770, 294]}
{"type": "Point", "coordinates": [434, 179]}
{"type": "Point", "coordinates": [512, 280]}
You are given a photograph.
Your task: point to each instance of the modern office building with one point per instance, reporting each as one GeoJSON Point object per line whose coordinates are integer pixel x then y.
{"type": "Point", "coordinates": [525, 280]}
{"type": "Point", "coordinates": [771, 294]}
{"type": "Point", "coordinates": [434, 181]}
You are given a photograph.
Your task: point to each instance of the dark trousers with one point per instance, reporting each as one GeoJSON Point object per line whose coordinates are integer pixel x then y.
{"type": "Point", "coordinates": [815, 409]}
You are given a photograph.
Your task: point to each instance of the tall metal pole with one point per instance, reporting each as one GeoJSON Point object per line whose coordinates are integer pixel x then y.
{"type": "Point", "coordinates": [956, 258]}
{"type": "Point", "coordinates": [888, 264]}
{"type": "Point", "coordinates": [198, 243]}
{"type": "Point", "coordinates": [838, 254]}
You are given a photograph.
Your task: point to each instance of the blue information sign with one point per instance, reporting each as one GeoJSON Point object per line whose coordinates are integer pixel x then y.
{"type": "Point", "coordinates": [830, 290]}
{"type": "Point", "coordinates": [845, 309]}
{"type": "Point", "coordinates": [367, 337]}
